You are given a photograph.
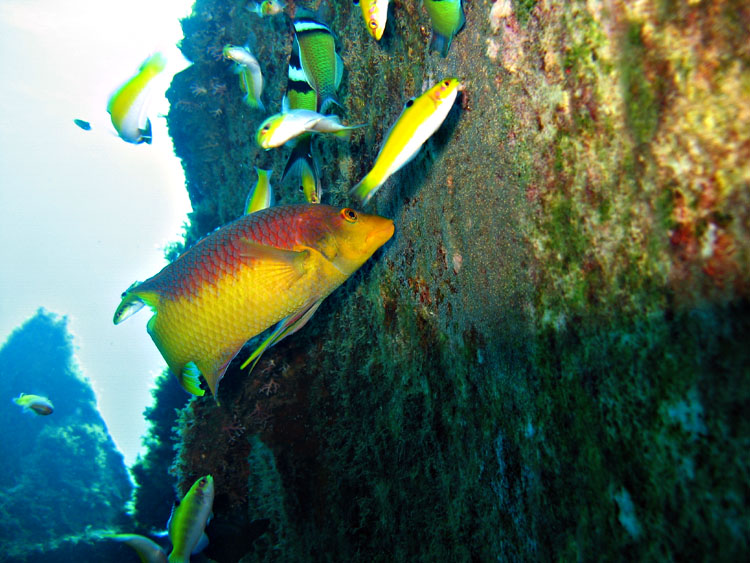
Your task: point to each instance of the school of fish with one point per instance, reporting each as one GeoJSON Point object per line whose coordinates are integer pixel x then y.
{"type": "Point", "coordinates": [267, 272]}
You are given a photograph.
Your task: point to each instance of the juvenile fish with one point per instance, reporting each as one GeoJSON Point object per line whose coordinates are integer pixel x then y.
{"type": "Point", "coordinates": [375, 14]}
{"type": "Point", "coordinates": [128, 106]}
{"type": "Point", "coordinates": [188, 520]}
{"type": "Point", "coordinates": [420, 118]}
{"type": "Point", "coordinates": [301, 167]}
{"type": "Point", "coordinates": [277, 264]}
{"type": "Point", "coordinates": [282, 127]}
{"type": "Point", "coordinates": [447, 20]}
{"type": "Point", "coordinates": [261, 196]}
{"type": "Point", "coordinates": [34, 403]}
{"type": "Point", "coordinates": [248, 69]}
{"type": "Point", "coordinates": [266, 8]}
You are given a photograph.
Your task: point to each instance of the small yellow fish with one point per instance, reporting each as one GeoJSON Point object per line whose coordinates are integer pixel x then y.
{"type": "Point", "coordinates": [129, 104]}
{"type": "Point", "coordinates": [375, 14]}
{"type": "Point", "coordinates": [251, 77]}
{"type": "Point", "coordinates": [188, 520]}
{"type": "Point", "coordinates": [34, 403]}
{"type": "Point", "coordinates": [266, 8]}
{"type": "Point", "coordinates": [148, 550]}
{"type": "Point", "coordinates": [420, 118]}
{"type": "Point", "coordinates": [283, 127]}
{"type": "Point", "coordinates": [261, 196]}
{"type": "Point", "coordinates": [277, 264]}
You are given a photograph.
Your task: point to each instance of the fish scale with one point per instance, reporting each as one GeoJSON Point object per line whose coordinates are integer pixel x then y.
{"type": "Point", "coordinates": [246, 276]}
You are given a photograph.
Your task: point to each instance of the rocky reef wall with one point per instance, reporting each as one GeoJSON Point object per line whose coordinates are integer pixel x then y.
{"type": "Point", "coordinates": [548, 360]}
{"type": "Point", "coordinates": [62, 479]}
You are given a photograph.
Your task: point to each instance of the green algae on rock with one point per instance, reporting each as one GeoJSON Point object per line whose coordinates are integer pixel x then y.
{"type": "Point", "coordinates": [547, 361]}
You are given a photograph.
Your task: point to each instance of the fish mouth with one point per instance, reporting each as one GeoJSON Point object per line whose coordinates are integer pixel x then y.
{"type": "Point", "coordinates": [382, 233]}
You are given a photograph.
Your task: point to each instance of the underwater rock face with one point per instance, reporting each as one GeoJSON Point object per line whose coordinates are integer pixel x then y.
{"type": "Point", "coordinates": [61, 476]}
{"type": "Point", "coordinates": [548, 360]}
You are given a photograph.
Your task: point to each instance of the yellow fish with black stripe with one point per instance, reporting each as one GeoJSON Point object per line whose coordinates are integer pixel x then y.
{"type": "Point", "coordinates": [420, 118]}
{"type": "Point", "coordinates": [276, 264]}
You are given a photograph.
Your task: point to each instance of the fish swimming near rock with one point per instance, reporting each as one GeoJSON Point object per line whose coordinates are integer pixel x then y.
{"type": "Point", "coordinates": [285, 126]}
{"type": "Point", "coordinates": [375, 14]}
{"type": "Point", "coordinates": [447, 20]}
{"type": "Point", "coordinates": [261, 196]}
{"type": "Point", "coordinates": [147, 549]}
{"type": "Point", "coordinates": [301, 166]}
{"type": "Point", "coordinates": [188, 520]}
{"type": "Point", "coordinates": [128, 106]}
{"type": "Point", "coordinates": [420, 118]}
{"type": "Point", "coordinates": [320, 62]}
{"type": "Point", "coordinates": [266, 8]}
{"type": "Point", "coordinates": [248, 69]}
{"type": "Point", "coordinates": [277, 264]}
{"type": "Point", "coordinates": [35, 403]}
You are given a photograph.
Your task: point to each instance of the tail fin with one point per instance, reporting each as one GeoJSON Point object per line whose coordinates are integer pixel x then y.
{"type": "Point", "coordinates": [327, 103]}
{"type": "Point", "coordinates": [129, 305]}
{"type": "Point", "coordinates": [366, 188]}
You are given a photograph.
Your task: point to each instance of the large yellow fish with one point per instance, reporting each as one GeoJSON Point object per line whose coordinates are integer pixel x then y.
{"type": "Point", "coordinates": [277, 264]}
{"type": "Point", "coordinates": [128, 105]}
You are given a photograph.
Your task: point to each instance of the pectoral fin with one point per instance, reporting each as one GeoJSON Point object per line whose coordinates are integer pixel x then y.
{"type": "Point", "coordinates": [280, 267]}
{"type": "Point", "coordinates": [284, 328]}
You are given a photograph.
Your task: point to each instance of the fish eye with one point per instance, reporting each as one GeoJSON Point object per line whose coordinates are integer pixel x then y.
{"type": "Point", "coordinates": [349, 215]}
{"type": "Point", "coordinates": [265, 129]}
{"type": "Point", "coordinates": [373, 24]}
{"type": "Point", "coordinates": [447, 83]}
{"type": "Point", "coordinates": [410, 103]}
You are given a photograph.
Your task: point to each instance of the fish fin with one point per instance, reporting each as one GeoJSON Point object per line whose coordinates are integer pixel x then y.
{"type": "Point", "coordinates": [293, 261]}
{"type": "Point", "coordinates": [129, 306]}
{"type": "Point", "coordinates": [284, 104]}
{"type": "Point", "coordinates": [339, 71]}
{"type": "Point", "coordinates": [201, 545]}
{"type": "Point", "coordinates": [440, 43]}
{"type": "Point", "coordinates": [253, 103]}
{"type": "Point", "coordinates": [284, 328]}
{"type": "Point", "coordinates": [366, 188]}
{"type": "Point", "coordinates": [327, 103]}
{"type": "Point", "coordinates": [146, 135]}
{"type": "Point", "coordinates": [190, 379]}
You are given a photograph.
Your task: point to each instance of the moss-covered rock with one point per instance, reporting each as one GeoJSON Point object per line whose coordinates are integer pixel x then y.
{"type": "Point", "coordinates": [548, 360]}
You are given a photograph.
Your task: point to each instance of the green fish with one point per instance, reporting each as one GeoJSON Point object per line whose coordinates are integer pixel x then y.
{"type": "Point", "coordinates": [321, 64]}
{"type": "Point", "coordinates": [302, 167]}
{"type": "Point", "coordinates": [189, 518]}
{"type": "Point", "coordinates": [261, 196]}
{"type": "Point", "coordinates": [447, 20]}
